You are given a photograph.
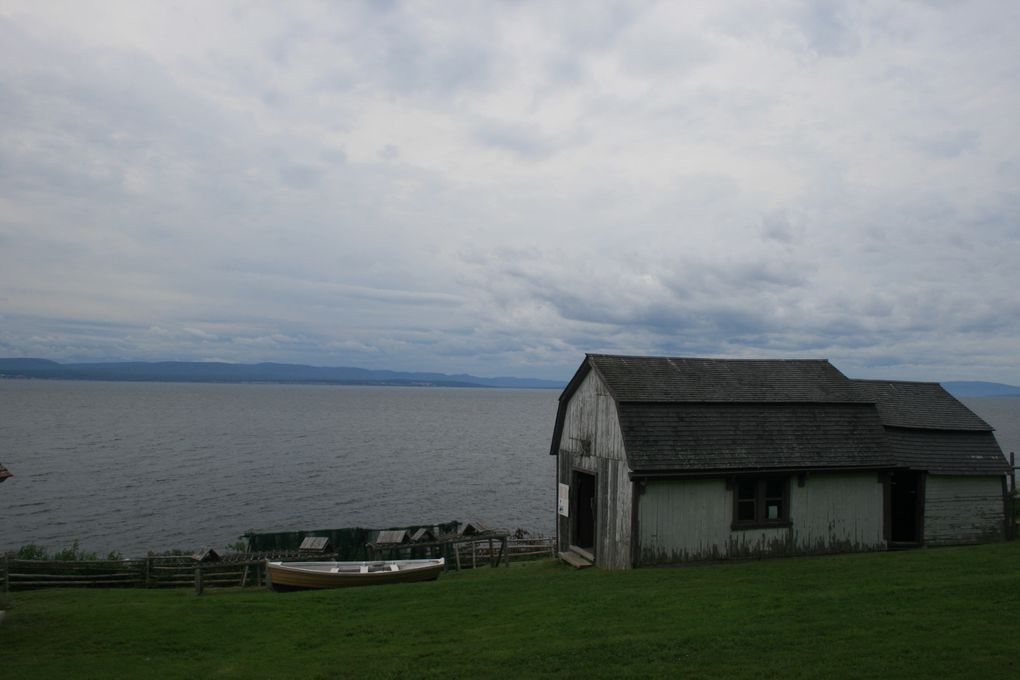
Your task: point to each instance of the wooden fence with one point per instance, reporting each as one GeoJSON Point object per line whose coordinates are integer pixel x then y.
{"type": "Point", "coordinates": [481, 553]}
{"type": "Point", "coordinates": [144, 572]}
{"type": "Point", "coordinates": [241, 569]}
{"type": "Point", "coordinates": [489, 548]}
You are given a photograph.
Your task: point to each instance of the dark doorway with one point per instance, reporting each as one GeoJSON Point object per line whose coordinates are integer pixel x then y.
{"type": "Point", "coordinates": [906, 500]}
{"type": "Point", "coordinates": [583, 534]}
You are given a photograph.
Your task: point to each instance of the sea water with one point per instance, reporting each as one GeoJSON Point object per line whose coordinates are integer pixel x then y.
{"type": "Point", "coordinates": [134, 467]}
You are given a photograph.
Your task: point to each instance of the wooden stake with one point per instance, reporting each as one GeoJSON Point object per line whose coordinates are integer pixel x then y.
{"type": "Point", "coordinates": [1012, 471]}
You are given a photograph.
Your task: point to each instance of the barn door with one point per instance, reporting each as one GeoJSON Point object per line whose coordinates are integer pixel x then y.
{"type": "Point", "coordinates": [906, 507]}
{"type": "Point", "coordinates": [582, 533]}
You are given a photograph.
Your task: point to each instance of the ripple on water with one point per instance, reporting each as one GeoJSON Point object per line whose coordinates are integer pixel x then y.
{"type": "Point", "coordinates": [142, 466]}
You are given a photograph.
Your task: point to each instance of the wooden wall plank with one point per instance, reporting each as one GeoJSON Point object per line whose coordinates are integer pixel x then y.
{"type": "Point", "coordinates": [963, 509]}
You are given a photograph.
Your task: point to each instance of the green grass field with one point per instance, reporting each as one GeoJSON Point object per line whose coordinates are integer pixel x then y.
{"type": "Point", "coordinates": [943, 613]}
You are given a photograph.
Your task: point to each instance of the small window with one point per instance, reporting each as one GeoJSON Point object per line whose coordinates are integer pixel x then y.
{"type": "Point", "coordinates": [747, 500]}
{"type": "Point", "coordinates": [761, 502]}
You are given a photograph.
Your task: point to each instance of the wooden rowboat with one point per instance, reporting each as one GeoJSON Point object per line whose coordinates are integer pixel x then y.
{"type": "Point", "coordinates": [303, 575]}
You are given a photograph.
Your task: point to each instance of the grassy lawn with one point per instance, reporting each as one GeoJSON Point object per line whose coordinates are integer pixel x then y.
{"type": "Point", "coordinates": [945, 613]}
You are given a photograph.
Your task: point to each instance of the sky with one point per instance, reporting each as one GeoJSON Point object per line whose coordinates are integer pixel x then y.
{"type": "Point", "coordinates": [499, 187]}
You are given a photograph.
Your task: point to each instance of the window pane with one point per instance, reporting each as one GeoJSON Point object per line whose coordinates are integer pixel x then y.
{"type": "Point", "coordinates": [774, 488]}
{"type": "Point", "coordinates": [746, 489]}
{"type": "Point", "coordinates": [773, 510]}
{"type": "Point", "coordinates": [745, 511]}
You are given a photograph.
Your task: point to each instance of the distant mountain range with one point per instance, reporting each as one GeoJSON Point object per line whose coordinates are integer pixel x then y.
{"type": "Point", "coordinates": [208, 371]}
{"type": "Point", "coordinates": [980, 389]}
{"type": "Point", "coordinates": [200, 371]}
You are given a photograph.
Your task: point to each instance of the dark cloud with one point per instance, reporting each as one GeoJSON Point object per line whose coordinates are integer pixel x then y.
{"type": "Point", "coordinates": [525, 140]}
{"type": "Point", "coordinates": [301, 175]}
{"type": "Point", "coordinates": [948, 144]}
{"type": "Point", "coordinates": [392, 49]}
{"type": "Point", "coordinates": [829, 28]}
{"type": "Point", "coordinates": [777, 227]}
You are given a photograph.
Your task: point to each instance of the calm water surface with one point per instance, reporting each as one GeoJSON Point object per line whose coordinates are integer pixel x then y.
{"type": "Point", "coordinates": [148, 466]}
{"type": "Point", "coordinates": [1002, 413]}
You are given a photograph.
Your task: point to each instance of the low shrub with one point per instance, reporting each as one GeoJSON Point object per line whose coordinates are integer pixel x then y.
{"type": "Point", "coordinates": [31, 552]}
{"type": "Point", "coordinates": [73, 553]}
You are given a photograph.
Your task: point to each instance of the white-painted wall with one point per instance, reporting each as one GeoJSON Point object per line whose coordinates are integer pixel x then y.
{"type": "Point", "coordinates": [686, 520]}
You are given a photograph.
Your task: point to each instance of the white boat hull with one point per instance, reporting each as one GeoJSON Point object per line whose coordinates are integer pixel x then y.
{"type": "Point", "coordinates": [308, 575]}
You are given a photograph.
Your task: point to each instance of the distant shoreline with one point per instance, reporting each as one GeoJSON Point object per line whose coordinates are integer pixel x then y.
{"type": "Point", "coordinates": [337, 383]}
{"type": "Point", "coordinates": [262, 373]}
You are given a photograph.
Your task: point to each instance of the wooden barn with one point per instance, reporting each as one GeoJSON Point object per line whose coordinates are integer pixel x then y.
{"type": "Point", "coordinates": [664, 460]}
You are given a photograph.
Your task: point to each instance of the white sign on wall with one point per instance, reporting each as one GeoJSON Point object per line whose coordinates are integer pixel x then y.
{"type": "Point", "coordinates": [563, 500]}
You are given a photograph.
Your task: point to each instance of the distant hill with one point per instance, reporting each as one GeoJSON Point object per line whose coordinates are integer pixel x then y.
{"type": "Point", "coordinates": [974, 388]}
{"type": "Point", "coordinates": [199, 371]}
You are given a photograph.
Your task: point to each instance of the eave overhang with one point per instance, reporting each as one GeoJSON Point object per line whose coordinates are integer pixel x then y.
{"type": "Point", "coordinates": [638, 475]}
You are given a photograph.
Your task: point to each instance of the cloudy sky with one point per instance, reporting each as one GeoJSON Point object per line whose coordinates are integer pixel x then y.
{"type": "Point", "coordinates": [499, 187]}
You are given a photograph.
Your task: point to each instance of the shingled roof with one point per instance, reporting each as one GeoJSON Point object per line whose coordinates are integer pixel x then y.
{"type": "Point", "coordinates": [683, 415]}
{"type": "Point", "coordinates": [688, 437]}
{"type": "Point", "coordinates": [947, 452]}
{"type": "Point", "coordinates": [677, 379]}
{"type": "Point", "coordinates": [919, 405]}
{"type": "Point", "coordinates": [929, 429]}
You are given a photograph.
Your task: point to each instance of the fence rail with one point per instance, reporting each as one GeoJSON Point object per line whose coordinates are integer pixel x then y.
{"type": "Point", "coordinates": [145, 572]}
{"type": "Point", "coordinates": [518, 550]}
{"type": "Point", "coordinates": [233, 570]}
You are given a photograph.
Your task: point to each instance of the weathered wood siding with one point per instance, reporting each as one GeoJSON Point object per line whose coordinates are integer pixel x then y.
{"type": "Point", "coordinates": [838, 512]}
{"type": "Point", "coordinates": [689, 520]}
{"type": "Point", "coordinates": [592, 442]}
{"type": "Point", "coordinates": [963, 509]}
{"type": "Point", "coordinates": [591, 417]}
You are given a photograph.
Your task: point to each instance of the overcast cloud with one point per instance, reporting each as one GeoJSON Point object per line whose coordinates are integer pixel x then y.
{"type": "Point", "coordinates": [500, 187]}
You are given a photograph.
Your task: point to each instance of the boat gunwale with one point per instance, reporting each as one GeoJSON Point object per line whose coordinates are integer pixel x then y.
{"type": "Point", "coordinates": [354, 568]}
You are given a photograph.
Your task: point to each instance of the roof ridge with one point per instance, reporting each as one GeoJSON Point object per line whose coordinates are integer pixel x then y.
{"type": "Point", "coordinates": [936, 428]}
{"type": "Point", "coordinates": [899, 382]}
{"type": "Point", "coordinates": [673, 358]}
{"type": "Point", "coordinates": [758, 402]}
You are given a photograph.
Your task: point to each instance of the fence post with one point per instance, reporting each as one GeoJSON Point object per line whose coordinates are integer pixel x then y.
{"type": "Point", "coordinates": [7, 573]}
{"type": "Point", "coordinates": [148, 571]}
{"type": "Point", "coordinates": [198, 579]}
{"type": "Point", "coordinates": [1012, 472]}
{"type": "Point", "coordinates": [1013, 521]}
